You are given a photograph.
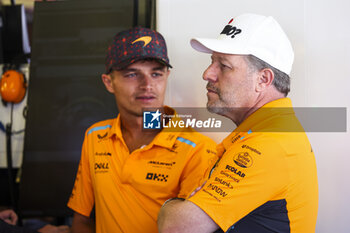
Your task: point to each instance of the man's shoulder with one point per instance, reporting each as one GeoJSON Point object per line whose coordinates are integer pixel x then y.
{"type": "Point", "coordinates": [196, 137]}
{"type": "Point", "coordinates": [100, 125]}
{"type": "Point", "coordinates": [274, 142]}
{"type": "Point", "coordinates": [103, 122]}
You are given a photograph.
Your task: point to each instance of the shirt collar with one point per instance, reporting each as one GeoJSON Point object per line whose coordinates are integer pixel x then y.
{"type": "Point", "coordinates": [165, 138]}
{"type": "Point", "coordinates": [116, 129]}
{"type": "Point", "coordinates": [252, 123]}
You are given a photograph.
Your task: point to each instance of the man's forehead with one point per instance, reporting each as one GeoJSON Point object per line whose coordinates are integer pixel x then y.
{"type": "Point", "coordinates": [226, 57]}
{"type": "Point", "coordinates": [145, 64]}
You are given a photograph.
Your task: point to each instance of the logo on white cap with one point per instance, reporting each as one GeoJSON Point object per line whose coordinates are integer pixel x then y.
{"type": "Point", "coordinates": [230, 30]}
{"type": "Point", "coordinates": [251, 34]}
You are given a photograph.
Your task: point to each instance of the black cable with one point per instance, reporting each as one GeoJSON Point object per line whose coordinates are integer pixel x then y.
{"type": "Point", "coordinates": [11, 114]}
{"type": "Point", "coordinates": [18, 132]}
{"type": "Point", "coordinates": [9, 162]}
{"type": "Point", "coordinates": [2, 127]}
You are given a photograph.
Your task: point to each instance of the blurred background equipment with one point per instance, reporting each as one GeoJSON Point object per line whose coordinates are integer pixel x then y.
{"type": "Point", "coordinates": [13, 86]}
{"type": "Point", "coordinates": [52, 64]}
{"type": "Point", "coordinates": [14, 52]}
{"type": "Point", "coordinates": [12, 90]}
{"type": "Point", "coordinates": [15, 48]}
{"type": "Point", "coordinates": [65, 94]}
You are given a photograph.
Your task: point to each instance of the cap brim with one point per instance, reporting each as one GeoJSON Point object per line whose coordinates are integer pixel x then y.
{"type": "Point", "coordinates": [128, 62]}
{"type": "Point", "coordinates": [206, 45]}
{"type": "Point", "coordinates": [198, 44]}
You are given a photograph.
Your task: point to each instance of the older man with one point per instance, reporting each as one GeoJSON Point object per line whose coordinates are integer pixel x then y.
{"type": "Point", "coordinates": [266, 179]}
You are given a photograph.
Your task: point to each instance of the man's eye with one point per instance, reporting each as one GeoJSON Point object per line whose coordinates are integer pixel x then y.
{"type": "Point", "coordinates": [130, 75]}
{"type": "Point", "coordinates": [157, 74]}
{"type": "Point", "coordinates": [224, 66]}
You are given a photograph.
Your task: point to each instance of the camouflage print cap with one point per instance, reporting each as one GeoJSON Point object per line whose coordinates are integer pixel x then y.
{"type": "Point", "coordinates": [133, 45]}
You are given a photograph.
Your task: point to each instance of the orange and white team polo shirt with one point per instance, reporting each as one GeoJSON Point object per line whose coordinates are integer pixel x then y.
{"type": "Point", "coordinates": [128, 189]}
{"type": "Point", "coordinates": [266, 179]}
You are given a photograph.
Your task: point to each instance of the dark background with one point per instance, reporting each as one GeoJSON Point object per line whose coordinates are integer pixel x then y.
{"type": "Point", "coordinates": [66, 95]}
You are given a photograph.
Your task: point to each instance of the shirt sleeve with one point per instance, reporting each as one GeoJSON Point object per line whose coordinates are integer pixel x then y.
{"type": "Point", "coordinates": [193, 175]}
{"type": "Point", "coordinates": [82, 197]}
{"type": "Point", "coordinates": [244, 179]}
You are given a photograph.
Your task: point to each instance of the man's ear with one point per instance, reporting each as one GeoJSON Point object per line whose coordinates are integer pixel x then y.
{"type": "Point", "coordinates": [265, 79]}
{"type": "Point", "coordinates": [168, 72]}
{"type": "Point", "coordinates": [107, 81]}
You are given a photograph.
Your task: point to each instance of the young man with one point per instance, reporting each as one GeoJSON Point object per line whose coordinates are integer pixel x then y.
{"type": "Point", "coordinates": [128, 172]}
{"type": "Point", "coordinates": [265, 180]}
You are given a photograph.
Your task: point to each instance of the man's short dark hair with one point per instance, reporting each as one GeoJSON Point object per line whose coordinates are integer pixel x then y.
{"type": "Point", "coordinates": [145, 60]}
{"type": "Point", "coordinates": [281, 80]}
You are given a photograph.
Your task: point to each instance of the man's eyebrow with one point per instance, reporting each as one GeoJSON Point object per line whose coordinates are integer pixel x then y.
{"type": "Point", "coordinates": [129, 70]}
{"type": "Point", "coordinates": [161, 68]}
{"type": "Point", "coordinates": [216, 57]}
{"type": "Point", "coordinates": [220, 59]}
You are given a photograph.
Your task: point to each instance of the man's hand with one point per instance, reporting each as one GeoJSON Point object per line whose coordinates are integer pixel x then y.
{"type": "Point", "coordinates": [54, 229]}
{"type": "Point", "coordinates": [9, 216]}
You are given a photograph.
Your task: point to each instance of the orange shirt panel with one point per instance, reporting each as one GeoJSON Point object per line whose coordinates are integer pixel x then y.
{"type": "Point", "coordinates": [266, 177]}
{"type": "Point", "coordinates": [129, 189]}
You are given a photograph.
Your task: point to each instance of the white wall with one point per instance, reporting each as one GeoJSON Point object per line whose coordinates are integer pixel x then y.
{"type": "Point", "coordinates": [319, 32]}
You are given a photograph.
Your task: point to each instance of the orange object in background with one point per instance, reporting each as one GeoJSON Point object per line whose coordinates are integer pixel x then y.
{"type": "Point", "coordinates": [12, 86]}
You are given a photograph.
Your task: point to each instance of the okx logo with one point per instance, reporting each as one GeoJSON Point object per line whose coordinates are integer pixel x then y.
{"type": "Point", "coordinates": [157, 177]}
{"type": "Point", "coordinates": [151, 120]}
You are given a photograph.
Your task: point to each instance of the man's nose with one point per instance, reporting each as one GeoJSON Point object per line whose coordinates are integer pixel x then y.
{"type": "Point", "coordinates": [210, 74]}
{"type": "Point", "coordinates": [146, 81]}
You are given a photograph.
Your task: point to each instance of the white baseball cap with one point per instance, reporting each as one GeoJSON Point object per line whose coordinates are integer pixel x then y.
{"type": "Point", "coordinates": [253, 34]}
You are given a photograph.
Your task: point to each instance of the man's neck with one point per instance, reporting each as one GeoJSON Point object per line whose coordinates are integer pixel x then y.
{"type": "Point", "coordinates": [239, 117]}
{"type": "Point", "coordinates": [133, 135]}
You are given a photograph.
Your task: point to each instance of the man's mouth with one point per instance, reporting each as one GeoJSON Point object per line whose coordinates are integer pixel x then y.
{"type": "Point", "coordinates": [145, 97]}
{"type": "Point", "coordinates": [211, 91]}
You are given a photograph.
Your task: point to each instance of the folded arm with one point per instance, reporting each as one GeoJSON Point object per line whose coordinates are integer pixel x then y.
{"type": "Point", "coordinates": [82, 223]}
{"type": "Point", "coordinates": [184, 216]}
